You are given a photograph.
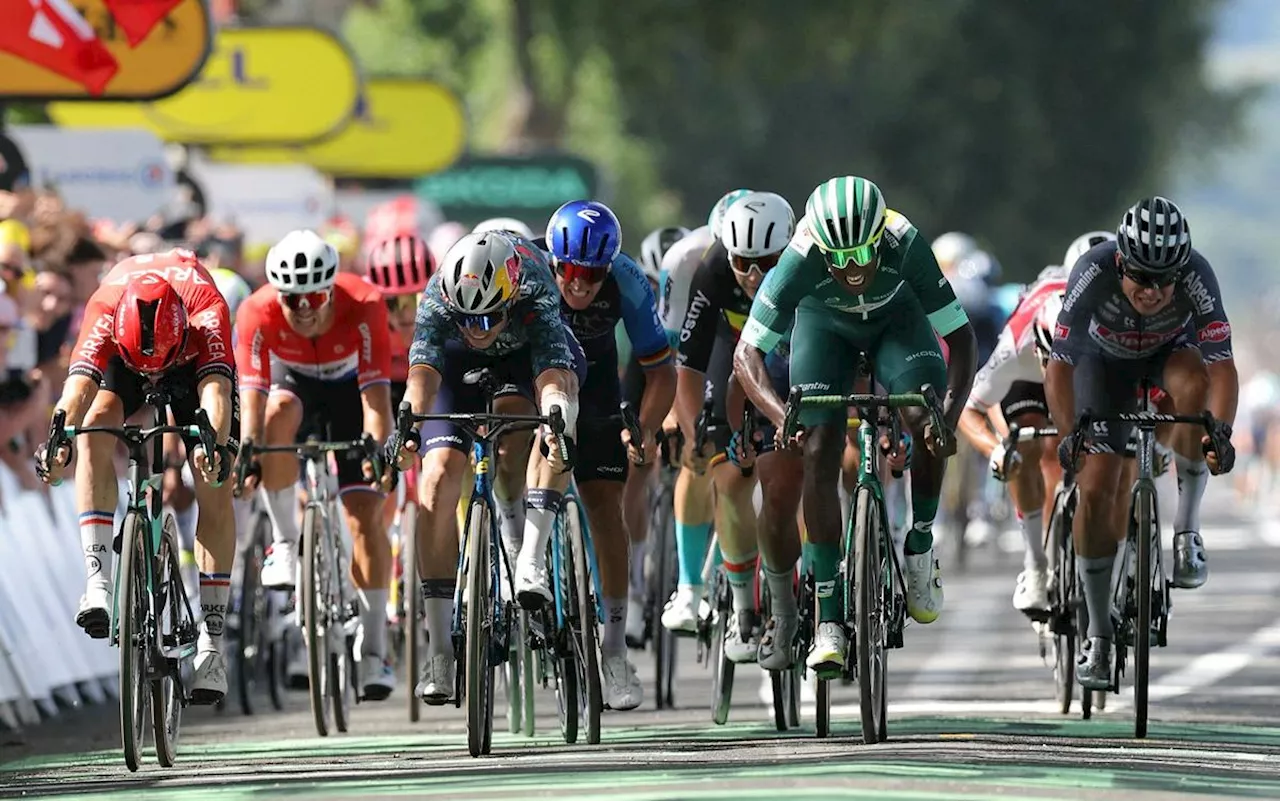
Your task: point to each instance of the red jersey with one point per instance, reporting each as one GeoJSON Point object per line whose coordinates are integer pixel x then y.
{"type": "Point", "coordinates": [399, 357]}
{"type": "Point", "coordinates": [356, 346]}
{"type": "Point", "coordinates": [208, 317]}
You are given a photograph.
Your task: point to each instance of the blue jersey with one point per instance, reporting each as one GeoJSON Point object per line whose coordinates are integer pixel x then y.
{"type": "Point", "coordinates": [532, 319]}
{"type": "Point", "coordinates": [624, 296]}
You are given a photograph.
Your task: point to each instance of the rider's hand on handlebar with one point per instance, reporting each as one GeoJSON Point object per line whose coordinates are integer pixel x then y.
{"type": "Point", "coordinates": [697, 462]}
{"type": "Point", "coordinates": [647, 453]}
{"type": "Point", "coordinates": [896, 461]}
{"type": "Point", "coordinates": [1219, 463]}
{"type": "Point", "coordinates": [742, 455]}
{"type": "Point", "coordinates": [52, 467]}
{"type": "Point", "coordinates": [208, 468]}
{"type": "Point", "coordinates": [934, 440]}
{"type": "Point", "coordinates": [1066, 450]}
{"type": "Point", "coordinates": [797, 439]}
{"type": "Point", "coordinates": [408, 450]}
{"type": "Point", "coordinates": [1003, 457]}
{"type": "Point", "coordinates": [551, 442]}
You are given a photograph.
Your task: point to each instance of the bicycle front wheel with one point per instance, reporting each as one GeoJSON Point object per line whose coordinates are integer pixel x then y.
{"type": "Point", "coordinates": [413, 615]}
{"type": "Point", "coordinates": [872, 659]}
{"type": "Point", "coordinates": [133, 611]}
{"type": "Point", "coordinates": [479, 681]}
{"type": "Point", "coordinates": [248, 651]}
{"type": "Point", "coordinates": [1064, 601]}
{"type": "Point", "coordinates": [176, 631]}
{"type": "Point", "coordinates": [722, 667]}
{"type": "Point", "coordinates": [662, 583]}
{"type": "Point", "coordinates": [315, 615]}
{"type": "Point", "coordinates": [1144, 509]}
{"type": "Point", "coordinates": [585, 637]}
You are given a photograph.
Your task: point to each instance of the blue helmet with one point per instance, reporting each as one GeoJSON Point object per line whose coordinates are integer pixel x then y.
{"type": "Point", "coordinates": [584, 232]}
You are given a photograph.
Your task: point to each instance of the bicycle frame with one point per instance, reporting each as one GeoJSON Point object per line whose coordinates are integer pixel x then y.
{"type": "Point", "coordinates": [482, 485]}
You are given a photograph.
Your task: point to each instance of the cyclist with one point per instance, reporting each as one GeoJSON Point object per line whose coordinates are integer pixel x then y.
{"type": "Point", "coordinates": [312, 346]}
{"type": "Point", "coordinates": [509, 224]}
{"type": "Point", "coordinates": [399, 268]}
{"type": "Point", "coordinates": [156, 319]}
{"type": "Point", "coordinates": [601, 286]}
{"type": "Point", "coordinates": [1137, 308]}
{"type": "Point", "coordinates": [491, 304]}
{"type": "Point", "coordinates": [753, 234]}
{"type": "Point", "coordinates": [950, 248]}
{"type": "Point", "coordinates": [859, 277]}
{"type": "Point", "coordinates": [640, 477]}
{"type": "Point", "coordinates": [693, 500]}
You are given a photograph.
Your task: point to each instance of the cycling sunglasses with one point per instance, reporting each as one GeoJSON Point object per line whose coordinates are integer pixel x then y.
{"type": "Point", "coordinates": [1148, 279]}
{"type": "Point", "coordinates": [306, 301]}
{"type": "Point", "coordinates": [860, 256]}
{"type": "Point", "coordinates": [482, 323]}
{"type": "Point", "coordinates": [584, 273]}
{"type": "Point", "coordinates": [746, 266]}
{"type": "Point", "coordinates": [401, 303]}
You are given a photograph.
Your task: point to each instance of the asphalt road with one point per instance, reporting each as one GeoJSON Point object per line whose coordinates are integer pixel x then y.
{"type": "Point", "coordinates": [971, 717]}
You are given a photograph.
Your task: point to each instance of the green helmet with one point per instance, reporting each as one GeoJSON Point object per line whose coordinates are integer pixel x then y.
{"type": "Point", "coordinates": [847, 214]}
{"type": "Point", "coordinates": [722, 205]}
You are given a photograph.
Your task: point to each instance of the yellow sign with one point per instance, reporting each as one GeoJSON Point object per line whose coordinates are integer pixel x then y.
{"type": "Point", "coordinates": [261, 86]}
{"type": "Point", "coordinates": [101, 49]}
{"type": "Point", "coordinates": [403, 128]}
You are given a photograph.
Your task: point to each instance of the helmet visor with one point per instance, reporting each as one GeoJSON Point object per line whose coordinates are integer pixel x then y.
{"type": "Point", "coordinates": [586, 273]}
{"type": "Point", "coordinates": [860, 256]}
{"type": "Point", "coordinates": [482, 323]}
{"type": "Point", "coordinates": [306, 301]}
{"type": "Point", "coordinates": [745, 265]}
{"type": "Point", "coordinates": [1149, 279]}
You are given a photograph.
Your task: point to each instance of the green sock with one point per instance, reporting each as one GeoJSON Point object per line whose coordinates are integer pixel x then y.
{"type": "Point", "coordinates": [824, 559]}
{"type": "Point", "coordinates": [920, 537]}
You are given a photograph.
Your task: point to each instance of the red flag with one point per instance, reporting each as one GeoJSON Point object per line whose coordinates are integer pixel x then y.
{"type": "Point", "coordinates": [137, 18]}
{"type": "Point", "coordinates": [53, 35]}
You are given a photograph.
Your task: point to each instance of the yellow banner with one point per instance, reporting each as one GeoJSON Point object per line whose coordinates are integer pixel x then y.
{"type": "Point", "coordinates": [87, 52]}
{"type": "Point", "coordinates": [403, 128]}
{"type": "Point", "coordinates": [260, 86]}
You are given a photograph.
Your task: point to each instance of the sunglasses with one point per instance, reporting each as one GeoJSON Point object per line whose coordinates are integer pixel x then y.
{"type": "Point", "coordinates": [745, 266]}
{"type": "Point", "coordinates": [1150, 280]}
{"type": "Point", "coordinates": [860, 256]}
{"type": "Point", "coordinates": [306, 301]}
{"type": "Point", "coordinates": [481, 323]}
{"type": "Point", "coordinates": [401, 303]}
{"type": "Point", "coordinates": [585, 273]}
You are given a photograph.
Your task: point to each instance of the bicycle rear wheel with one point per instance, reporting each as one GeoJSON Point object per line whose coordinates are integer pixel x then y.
{"type": "Point", "coordinates": [479, 680]}
{"type": "Point", "coordinates": [315, 616]}
{"type": "Point", "coordinates": [251, 650]}
{"type": "Point", "coordinates": [413, 615]}
{"type": "Point", "coordinates": [1065, 599]}
{"type": "Point", "coordinates": [564, 665]}
{"type": "Point", "coordinates": [133, 611]}
{"type": "Point", "coordinates": [872, 659]}
{"type": "Point", "coordinates": [722, 668]}
{"type": "Point", "coordinates": [1144, 509]}
{"type": "Point", "coordinates": [586, 633]}
{"type": "Point", "coordinates": [176, 632]}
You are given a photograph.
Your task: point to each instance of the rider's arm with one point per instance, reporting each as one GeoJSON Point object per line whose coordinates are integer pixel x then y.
{"type": "Point", "coordinates": [963, 346]}
{"type": "Point", "coordinates": [946, 315]}
{"type": "Point", "coordinates": [992, 382]}
{"type": "Point", "coordinates": [1213, 335]}
{"type": "Point", "coordinates": [772, 312]}
{"type": "Point", "coordinates": [215, 398]}
{"type": "Point", "coordinates": [422, 387]}
{"type": "Point", "coordinates": [89, 359]}
{"type": "Point", "coordinates": [426, 351]}
{"type": "Point", "coordinates": [375, 367]}
{"type": "Point", "coordinates": [215, 363]}
{"type": "Point", "coordinates": [648, 342]}
{"type": "Point", "coordinates": [77, 394]}
{"type": "Point", "coordinates": [557, 387]}
{"type": "Point", "coordinates": [1070, 341]}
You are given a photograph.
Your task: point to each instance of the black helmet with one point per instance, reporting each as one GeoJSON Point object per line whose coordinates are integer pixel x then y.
{"type": "Point", "coordinates": [1154, 236]}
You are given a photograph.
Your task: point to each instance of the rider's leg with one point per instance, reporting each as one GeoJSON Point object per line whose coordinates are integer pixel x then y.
{"type": "Point", "coordinates": [371, 574]}
{"type": "Point", "coordinates": [781, 484]}
{"type": "Point", "coordinates": [279, 479]}
{"type": "Point", "coordinates": [215, 552]}
{"type": "Point", "coordinates": [635, 510]}
{"type": "Point", "coordinates": [509, 479]}
{"type": "Point", "coordinates": [693, 511]}
{"type": "Point", "coordinates": [96, 496]}
{"type": "Point", "coordinates": [1187, 381]}
{"type": "Point", "coordinates": [439, 490]}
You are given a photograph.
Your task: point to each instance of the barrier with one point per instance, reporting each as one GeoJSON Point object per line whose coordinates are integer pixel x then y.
{"type": "Point", "coordinates": [46, 662]}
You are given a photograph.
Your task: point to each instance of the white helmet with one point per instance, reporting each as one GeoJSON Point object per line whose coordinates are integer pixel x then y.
{"type": "Point", "coordinates": [951, 247]}
{"type": "Point", "coordinates": [1046, 320]}
{"type": "Point", "coordinates": [302, 262]}
{"type": "Point", "coordinates": [655, 246]}
{"type": "Point", "coordinates": [716, 218]}
{"type": "Point", "coordinates": [504, 224]}
{"type": "Point", "coordinates": [481, 273]}
{"type": "Point", "coordinates": [1083, 244]}
{"type": "Point", "coordinates": [758, 224]}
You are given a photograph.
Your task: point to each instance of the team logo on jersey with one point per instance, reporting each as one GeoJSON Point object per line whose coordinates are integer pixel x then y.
{"type": "Point", "coordinates": [1130, 341]}
{"type": "Point", "coordinates": [1060, 331]}
{"type": "Point", "coordinates": [1217, 331]}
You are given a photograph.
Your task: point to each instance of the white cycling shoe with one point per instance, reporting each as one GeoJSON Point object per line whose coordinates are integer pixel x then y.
{"type": "Point", "coordinates": [210, 684]}
{"type": "Point", "coordinates": [622, 687]}
{"type": "Point", "coordinates": [436, 682]}
{"type": "Point", "coordinates": [682, 612]}
{"type": "Point", "coordinates": [280, 568]}
{"type": "Point", "coordinates": [826, 656]}
{"type": "Point", "coordinates": [924, 587]}
{"type": "Point", "coordinates": [95, 611]}
{"type": "Point", "coordinates": [379, 678]}
{"type": "Point", "coordinates": [1031, 596]}
{"type": "Point", "coordinates": [532, 587]}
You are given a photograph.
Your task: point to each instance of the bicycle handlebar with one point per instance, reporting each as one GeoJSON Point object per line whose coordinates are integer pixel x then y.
{"type": "Point", "coordinates": [631, 421]}
{"type": "Point", "coordinates": [311, 448]}
{"type": "Point", "coordinates": [133, 436]}
{"type": "Point", "coordinates": [926, 398]}
{"type": "Point", "coordinates": [495, 425]}
{"type": "Point", "coordinates": [1146, 421]}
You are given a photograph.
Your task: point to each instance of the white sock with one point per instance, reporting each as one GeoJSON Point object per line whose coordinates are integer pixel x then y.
{"type": "Point", "coordinates": [215, 592]}
{"type": "Point", "coordinates": [511, 518]}
{"type": "Point", "coordinates": [782, 592]}
{"type": "Point", "coordinates": [96, 531]}
{"type": "Point", "coordinates": [186, 520]}
{"type": "Point", "coordinates": [1193, 477]}
{"type": "Point", "coordinates": [1032, 524]}
{"type": "Point", "coordinates": [282, 507]}
{"type": "Point", "coordinates": [439, 614]}
{"type": "Point", "coordinates": [638, 552]}
{"type": "Point", "coordinates": [373, 618]}
{"type": "Point", "coordinates": [614, 640]}
{"type": "Point", "coordinates": [242, 508]}
{"type": "Point", "coordinates": [537, 530]}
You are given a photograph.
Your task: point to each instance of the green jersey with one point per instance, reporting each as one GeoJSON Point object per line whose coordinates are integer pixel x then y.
{"type": "Point", "coordinates": [907, 275]}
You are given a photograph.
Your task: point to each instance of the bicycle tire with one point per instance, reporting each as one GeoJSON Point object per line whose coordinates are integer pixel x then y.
{"type": "Point", "coordinates": [1066, 618]}
{"type": "Point", "coordinates": [413, 615]}
{"type": "Point", "coordinates": [1143, 509]}
{"type": "Point", "coordinates": [822, 716]}
{"type": "Point", "coordinates": [869, 610]}
{"type": "Point", "coordinates": [342, 684]}
{"type": "Point", "coordinates": [528, 674]}
{"type": "Point", "coordinates": [793, 694]}
{"type": "Point", "coordinates": [166, 700]}
{"type": "Point", "coordinates": [315, 629]}
{"type": "Point", "coordinates": [722, 668]}
{"type": "Point", "coordinates": [479, 678]}
{"type": "Point", "coordinates": [779, 680]}
{"type": "Point", "coordinates": [586, 637]}
{"type": "Point", "coordinates": [662, 583]}
{"type": "Point", "coordinates": [132, 610]}
{"type": "Point", "coordinates": [271, 642]}
{"type": "Point", "coordinates": [250, 600]}
{"type": "Point", "coordinates": [564, 664]}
